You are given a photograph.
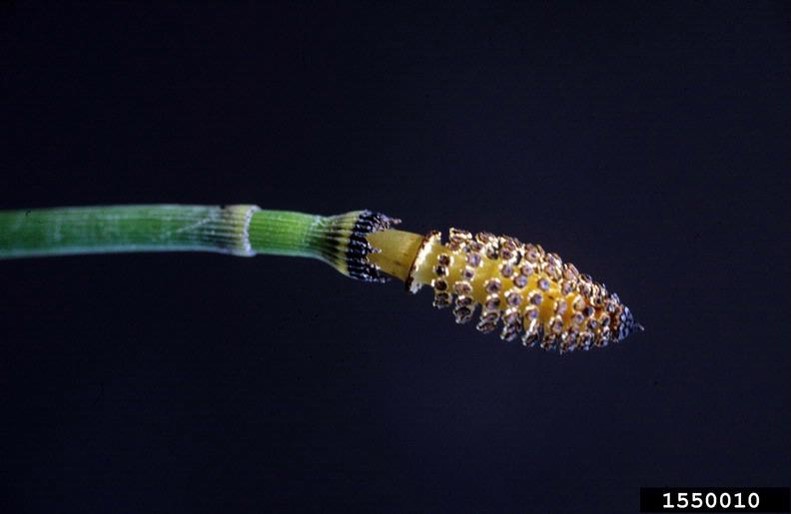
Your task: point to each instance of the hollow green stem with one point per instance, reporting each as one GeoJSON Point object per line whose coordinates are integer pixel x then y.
{"type": "Point", "coordinates": [133, 228]}
{"type": "Point", "coordinates": [286, 233]}
{"type": "Point", "coordinates": [243, 230]}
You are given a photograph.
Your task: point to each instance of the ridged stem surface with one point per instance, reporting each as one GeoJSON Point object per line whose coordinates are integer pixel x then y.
{"type": "Point", "coordinates": [285, 233]}
{"type": "Point", "coordinates": [237, 229]}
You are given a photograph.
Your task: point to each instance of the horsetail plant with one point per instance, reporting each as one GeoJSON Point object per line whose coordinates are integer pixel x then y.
{"type": "Point", "coordinates": [521, 289]}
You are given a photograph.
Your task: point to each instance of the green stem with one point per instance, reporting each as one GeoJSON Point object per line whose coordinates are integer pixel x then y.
{"type": "Point", "coordinates": [243, 230]}
{"type": "Point", "coordinates": [286, 233]}
{"type": "Point", "coordinates": [132, 228]}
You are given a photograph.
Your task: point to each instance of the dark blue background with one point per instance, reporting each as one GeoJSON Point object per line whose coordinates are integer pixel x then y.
{"type": "Point", "coordinates": [647, 143]}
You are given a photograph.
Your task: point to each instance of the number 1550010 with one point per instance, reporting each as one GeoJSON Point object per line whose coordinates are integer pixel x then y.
{"type": "Point", "coordinates": [715, 499]}
{"type": "Point", "coordinates": [710, 500]}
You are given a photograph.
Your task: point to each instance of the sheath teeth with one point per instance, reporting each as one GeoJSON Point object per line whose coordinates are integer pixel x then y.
{"type": "Point", "coordinates": [531, 293]}
{"type": "Point", "coordinates": [344, 244]}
